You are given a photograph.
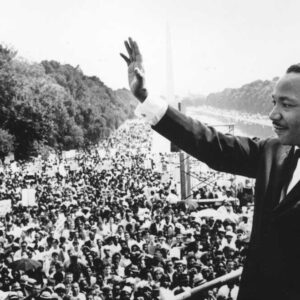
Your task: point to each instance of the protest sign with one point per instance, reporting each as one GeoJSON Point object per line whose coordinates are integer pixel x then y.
{"type": "Point", "coordinates": [59, 225]}
{"type": "Point", "coordinates": [14, 167]}
{"type": "Point", "coordinates": [148, 164]}
{"type": "Point", "coordinates": [51, 172]}
{"type": "Point", "coordinates": [128, 163]}
{"type": "Point", "coordinates": [101, 152]}
{"type": "Point", "coordinates": [74, 166]}
{"type": "Point", "coordinates": [5, 207]}
{"type": "Point", "coordinates": [71, 154]}
{"type": "Point", "coordinates": [10, 157]}
{"type": "Point", "coordinates": [62, 171]}
{"type": "Point", "coordinates": [28, 197]}
{"type": "Point", "coordinates": [106, 165]}
{"type": "Point", "coordinates": [175, 252]}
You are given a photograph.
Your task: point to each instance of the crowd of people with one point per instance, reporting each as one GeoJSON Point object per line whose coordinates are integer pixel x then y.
{"type": "Point", "coordinates": [109, 223]}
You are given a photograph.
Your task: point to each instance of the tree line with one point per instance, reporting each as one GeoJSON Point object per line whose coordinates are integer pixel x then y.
{"type": "Point", "coordinates": [254, 97]}
{"type": "Point", "coordinates": [49, 105]}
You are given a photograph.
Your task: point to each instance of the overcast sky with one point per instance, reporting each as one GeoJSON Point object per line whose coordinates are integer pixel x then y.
{"type": "Point", "coordinates": [215, 43]}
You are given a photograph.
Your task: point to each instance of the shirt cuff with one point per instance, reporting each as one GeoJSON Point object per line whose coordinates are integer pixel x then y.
{"type": "Point", "coordinates": [152, 110]}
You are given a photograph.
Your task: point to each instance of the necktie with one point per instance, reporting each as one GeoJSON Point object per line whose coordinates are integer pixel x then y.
{"type": "Point", "coordinates": [291, 169]}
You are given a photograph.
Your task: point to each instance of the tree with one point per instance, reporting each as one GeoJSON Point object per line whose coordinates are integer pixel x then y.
{"type": "Point", "coordinates": [6, 143]}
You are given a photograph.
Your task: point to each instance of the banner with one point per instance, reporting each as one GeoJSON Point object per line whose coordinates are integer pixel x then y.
{"type": "Point", "coordinates": [106, 165]}
{"type": "Point", "coordinates": [71, 154]}
{"type": "Point", "coordinates": [51, 171]}
{"type": "Point", "coordinates": [62, 171]}
{"type": "Point", "coordinates": [5, 207]}
{"type": "Point", "coordinates": [102, 153]}
{"type": "Point", "coordinates": [148, 164]}
{"type": "Point", "coordinates": [59, 226]}
{"type": "Point", "coordinates": [10, 157]}
{"type": "Point", "coordinates": [175, 252]}
{"type": "Point", "coordinates": [113, 152]}
{"type": "Point", "coordinates": [52, 157]}
{"type": "Point", "coordinates": [165, 177]}
{"type": "Point", "coordinates": [74, 166]}
{"type": "Point", "coordinates": [14, 167]}
{"type": "Point", "coordinates": [28, 197]}
{"type": "Point", "coordinates": [128, 163]}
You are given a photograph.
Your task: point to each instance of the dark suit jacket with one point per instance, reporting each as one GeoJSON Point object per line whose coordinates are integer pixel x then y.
{"type": "Point", "coordinates": [153, 229]}
{"type": "Point", "coordinates": [272, 268]}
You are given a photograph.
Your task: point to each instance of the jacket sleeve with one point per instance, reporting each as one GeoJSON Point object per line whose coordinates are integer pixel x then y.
{"type": "Point", "coordinates": [222, 152]}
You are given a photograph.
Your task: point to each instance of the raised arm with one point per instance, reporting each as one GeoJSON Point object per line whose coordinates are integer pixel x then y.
{"type": "Point", "coordinates": [238, 155]}
{"type": "Point", "coordinates": [136, 74]}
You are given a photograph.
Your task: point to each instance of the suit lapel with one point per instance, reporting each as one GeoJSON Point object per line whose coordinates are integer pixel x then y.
{"type": "Point", "coordinates": [293, 195]}
{"type": "Point", "coordinates": [290, 199]}
{"type": "Point", "coordinates": [277, 175]}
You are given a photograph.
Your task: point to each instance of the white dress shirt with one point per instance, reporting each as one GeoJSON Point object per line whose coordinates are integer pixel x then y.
{"type": "Point", "coordinates": [296, 175]}
{"type": "Point", "coordinates": [152, 110]}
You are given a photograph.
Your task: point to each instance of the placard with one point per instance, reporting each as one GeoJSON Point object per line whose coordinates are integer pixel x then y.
{"type": "Point", "coordinates": [28, 197]}
{"type": "Point", "coordinates": [5, 207]}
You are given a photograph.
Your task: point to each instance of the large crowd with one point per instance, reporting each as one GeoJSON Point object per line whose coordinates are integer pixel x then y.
{"type": "Point", "coordinates": [109, 223]}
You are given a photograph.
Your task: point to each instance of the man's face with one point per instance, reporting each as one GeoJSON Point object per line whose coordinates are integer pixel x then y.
{"type": "Point", "coordinates": [75, 288]}
{"type": "Point", "coordinates": [285, 114]}
{"type": "Point", "coordinates": [170, 265]}
{"type": "Point", "coordinates": [36, 289]}
{"type": "Point", "coordinates": [69, 278]}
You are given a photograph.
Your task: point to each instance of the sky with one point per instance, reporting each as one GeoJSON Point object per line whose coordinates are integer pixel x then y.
{"type": "Point", "coordinates": [215, 44]}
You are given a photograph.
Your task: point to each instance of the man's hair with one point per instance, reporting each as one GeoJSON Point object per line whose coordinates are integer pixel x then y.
{"type": "Point", "coordinates": [293, 69]}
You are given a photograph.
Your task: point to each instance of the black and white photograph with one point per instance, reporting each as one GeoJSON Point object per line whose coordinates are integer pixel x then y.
{"type": "Point", "coordinates": [149, 150]}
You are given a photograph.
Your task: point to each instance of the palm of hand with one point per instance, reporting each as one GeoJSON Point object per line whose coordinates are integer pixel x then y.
{"type": "Point", "coordinates": [135, 82]}
{"type": "Point", "coordinates": [136, 77]}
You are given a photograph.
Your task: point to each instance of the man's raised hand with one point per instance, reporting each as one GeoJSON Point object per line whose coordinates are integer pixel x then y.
{"type": "Point", "coordinates": [136, 76]}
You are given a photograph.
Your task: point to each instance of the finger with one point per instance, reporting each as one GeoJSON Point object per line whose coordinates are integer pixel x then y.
{"type": "Point", "coordinates": [129, 50]}
{"type": "Point", "coordinates": [136, 49]}
{"type": "Point", "coordinates": [131, 43]}
{"type": "Point", "coordinates": [125, 58]}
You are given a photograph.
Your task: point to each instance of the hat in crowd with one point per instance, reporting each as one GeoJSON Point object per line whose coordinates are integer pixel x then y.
{"type": "Point", "coordinates": [106, 288]}
{"type": "Point", "coordinates": [127, 289]}
{"type": "Point", "coordinates": [221, 229]}
{"type": "Point", "coordinates": [179, 262]}
{"type": "Point", "coordinates": [60, 287]}
{"type": "Point", "coordinates": [46, 295]}
{"type": "Point", "coordinates": [229, 233]}
{"type": "Point", "coordinates": [16, 286]}
{"type": "Point", "coordinates": [143, 284]}
{"type": "Point", "coordinates": [73, 254]}
{"type": "Point", "coordinates": [198, 279]}
{"type": "Point", "coordinates": [26, 280]}
{"type": "Point", "coordinates": [94, 227]}
{"type": "Point", "coordinates": [130, 280]}
{"type": "Point", "coordinates": [15, 295]}
{"type": "Point", "coordinates": [159, 270]}
{"type": "Point", "coordinates": [117, 278]}
{"type": "Point", "coordinates": [95, 287]}
{"type": "Point", "coordinates": [193, 214]}
{"type": "Point", "coordinates": [147, 287]}
{"type": "Point", "coordinates": [197, 265]}
{"type": "Point", "coordinates": [134, 268]}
